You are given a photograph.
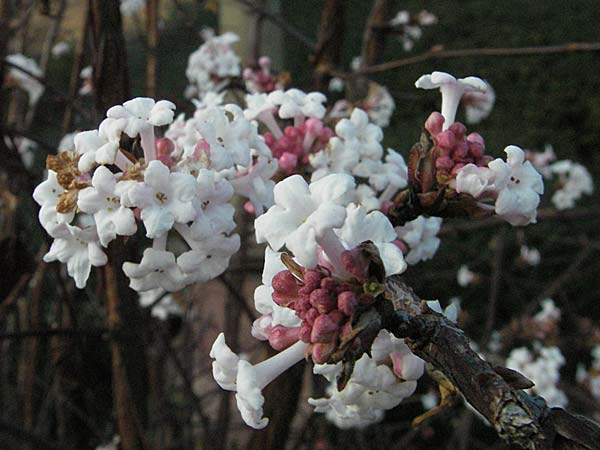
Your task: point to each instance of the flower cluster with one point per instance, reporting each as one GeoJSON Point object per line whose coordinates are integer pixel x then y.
{"type": "Point", "coordinates": [309, 304]}
{"type": "Point", "coordinates": [261, 79]}
{"type": "Point", "coordinates": [409, 26]}
{"type": "Point", "coordinates": [121, 175]}
{"type": "Point", "coordinates": [212, 65]}
{"type": "Point", "coordinates": [543, 367]}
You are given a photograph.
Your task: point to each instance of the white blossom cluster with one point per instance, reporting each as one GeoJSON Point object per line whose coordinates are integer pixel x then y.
{"type": "Point", "coordinates": [180, 191]}
{"type": "Point", "coordinates": [23, 80]}
{"type": "Point", "coordinates": [542, 366]}
{"type": "Point", "coordinates": [356, 150]}
{"type": "Point", "coordinates": [379, 382]}
{"type": "Point", "coordinates": [212, 64]}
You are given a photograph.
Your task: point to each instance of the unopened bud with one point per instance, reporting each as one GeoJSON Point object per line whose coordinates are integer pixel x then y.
{"type": "Point", "coordinates": [434, 123]}
{"type": "Point", "coordinates": [356, 263]}
{"type": "Point", "coordinates": [324, 329]}
{"type": "Point", "coordinates": [282, 337]}
{"type": "Point", "coordinates": [347, 302]}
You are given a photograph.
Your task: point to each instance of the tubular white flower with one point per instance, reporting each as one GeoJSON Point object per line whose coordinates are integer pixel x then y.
{"type": "Point", "coordinates": [250, 379]}
{"type": "Point", "coordinates": [452, 90]}
{"type": "Point", "coordinates": [157, 269]}
{"type": "Point", "coordinates": [375, 226]}
{"type": "Point", "coordinates": [421, 237]}
{"type": "Point", "coordinates": [80, 250]}
{"type": "Point", "coordinates": [304, 216]}
{"type": "Point", "coordinates": [47, 194]}
{"type": "Point", "coordinates": [103, 200]}
{"type": "Point", "coordinates": [478, 105]}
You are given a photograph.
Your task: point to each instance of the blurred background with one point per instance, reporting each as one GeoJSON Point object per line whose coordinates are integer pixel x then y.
{"type": "Point", "coordinates": [56, 360]}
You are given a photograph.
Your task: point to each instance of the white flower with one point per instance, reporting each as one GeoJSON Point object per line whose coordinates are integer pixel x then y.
{"type": "Point", "coordinates": [304, 216]}
{"type": "Point", "coordinates": [450, 311]}
{"type": "Point", "coordinates": [164, 198]}
{"type": "Point", "coordinates": [421, 237]}
{"type": "Point", "coordinates": [214, 212]}
{"type": "Point", "coordinates": [375, 226]}
{"type": "Point", "coordinates": [530, 255]}
{"type": "Point", "coordinates": [517, 203]}
{"type": "Point", "coordinates": [479, 105]}
{"type": "Point", "coordinates": [60, 49]}
{"type": "Point", "coordinates": [549, 312]}
{"type": "Point", "coordinates": [464, 277]}
{"type": "Point", "coordinates": [574, 180]}
{"type": "Point", "coordinates": [103, 200]}
{"type": "Point", "coordinates": [163, 304]}
{"type": "Point", "coordinates": [142, 112]}
{"type": "Point", "coordinates": [373, 387]}
{"type": "Point", "coordinates": [357, 131]}
{"type": "Point", "coordinates": [67, 143]}
{"type": "Point", "coordinates": [131, 7]}
{"type": "Point", "coordinates": [157, 269]}
{"type": "Point", "coordinates": [256, 184]}
{"type": "Point", "coordinates": [33, 87]}
{"type": "Point", "coordinates": [380, 105]}
{"type": "Point", "coordinates": [515, 183]}
{"type": "Point", "coordinates": [294, 103]}
{"type": "Point", "coordinates": [235, 374]}
{"type": "Point", "coordinates": [87, 144]}
{"type": "Point", "coordinates": [79, 249]}
{"type": "Point", "coordinates": [209, 100]}
{"type": "Point", "coordinates": [47, 195]}
{"type": "Point", "coordinates": [543, 370]}
{"type": "Point", "coordinates": [452, 90]}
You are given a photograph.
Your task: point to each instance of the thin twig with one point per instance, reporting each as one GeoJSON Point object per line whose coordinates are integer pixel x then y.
{"type": "Point", "coordinates": [447, 54]}
{"type": "Point", "coordinates": [500, 243]}
{"type": "Point", "coordinates": [50, 332]}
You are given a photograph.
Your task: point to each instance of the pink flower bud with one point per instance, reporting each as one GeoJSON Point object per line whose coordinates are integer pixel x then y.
{"type": "Point", "coordinates": [202, 147]}
{"type": "Point", "coordinates": [461, 150]}
{"type": "Point", "coordinates": [476, 145]}
{"type": "Point", "coordinates": [385, 206]}
{"type": "Point", "coordinates": [445, 140]}
{"type": "Point", "coordinates": [312, 280]}
{"type": "Point", "coordinates": [324, 329]}
{"type": "Point", "coordinates": [401, 245]}
{"type": "Point", "coordinates": [249, 207]}
{"type": "Point", "coordinates": [356, 263]}
{"type": "Point", "coordinates": [347, 302]}
{"type": "Point", "coordinates": [291, 132]}
{"type": "Point", "coordinates": [458, 129]}
{"type": "Point", "coordinates": [313, 126]}
{"type": "Point", "coordinates": [305, 331]}
{"type": "Point", "coordinates": [164, 147]}
{"type": "Point", "coordinates": [328, 283]}
{"type": "Point", "coordinates": [288, 162]}
{"type": "Point", "coordinates": [444, 163]}
{"type": "Point", "coordinates": [285, 288]}
{"type": "Point", "coordinates": [337, 316]}
{"type": "Point", "coordinates": [326, 134]}
{"type": "Point", "coordinates": [434, 123]}
{"type": "Point", "coordinates": [282, 337]}
{"type": "Point", "coordinates": [456, 168]}
{"type": "Point", "coordinates": [264, 61]}
{"type": "Point", "coordinates": [248, 73]}
{"type": "Point", "coordinates": [311, 315]}
{"type": "Point", "coordinates": [322, 300]}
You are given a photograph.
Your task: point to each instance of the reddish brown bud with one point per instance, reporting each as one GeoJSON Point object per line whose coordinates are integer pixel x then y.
{"type": "Point", "coordinates": [347, 302]}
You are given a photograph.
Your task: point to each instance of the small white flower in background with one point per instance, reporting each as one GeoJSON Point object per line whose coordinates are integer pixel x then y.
{"type": "Point", "coordinates": [452, 90]}
{"type": "Point", "coordinates": [80, 250]}
{"type": "Point", "coordinates": [464, 277]}
{"type": "Point", "coordinates": [336, 85]}
{"type": "Point", "coordinates": [541, 160]}
{"type": "Point", "coordinates": [543, 368]}
{"type": "Point", "coordinates": [530, 255]}
{"type": "Point", "coordinates": [294, 104]}
{"type": "Point", "coordinates": [549, 312]}
{"type": "Point", "coordinates": [574, 181]}
{"type": "Point", "coordinates": [235, 374]}
{"type": "Point", "coordinates": [60, 49]}
{"type": "Point", "coordinates": [163, 304]}
{"type": "Point", "coordinates": [209, 100]}
{"type": "Point", "coordinates": [113, 445]}
{"type": "Point", "coordinates": [87, 85]}
{"type": "Point", "coordinates": [132, 7]}
{"type": "Point", "coordinates": [478, 105]}
{"type": "Point", "coordinates": [410, 26]}
{"type": "Point", "coordinates": [210, 66]}
{"type": "Point", "coordinates": [421, 237]}
{"type": "Point", "coordinates": [379, 104]}
{"type": "Point", "coordinates": [33, 87]}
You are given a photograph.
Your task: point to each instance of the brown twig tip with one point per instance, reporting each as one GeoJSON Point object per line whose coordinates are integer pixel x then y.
{"type": "Point", "coordinates": [522, 420]}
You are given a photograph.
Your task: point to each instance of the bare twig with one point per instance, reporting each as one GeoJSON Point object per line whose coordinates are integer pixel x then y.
{"type": "Point", "coordinates": [330, 38]}
{"type": "Point", "coordinates": [152, 12]}
{"type": "Point", "coordinates": [499, 245]}
{"type": "Point", "coordinates": [520, 419]}
{"type": "Point", "coordinates": [447, 54]}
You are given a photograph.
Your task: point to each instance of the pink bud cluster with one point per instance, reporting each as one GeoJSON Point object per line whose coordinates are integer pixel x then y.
{"type": "Point", "coordinates": [297, 143]}
{"type": "Point", "coordinates": [454, 149]}
{"type": "Point", "coordinates": [261, 79]}
{"type": "Point", "coordinates": [325, 305]}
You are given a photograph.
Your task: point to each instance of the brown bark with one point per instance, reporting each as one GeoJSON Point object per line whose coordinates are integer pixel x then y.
{"type": "Point", "coordinates": [152, 9]}
{"type": "Point", "coordinates": [375, 33]}
{"type": "Point", "coordinates": [330, 39]}
{"type": "Point", "coordinates": [520, 419]}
